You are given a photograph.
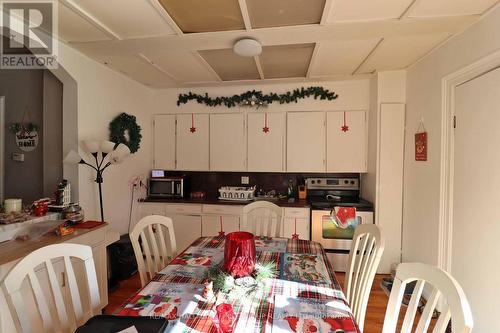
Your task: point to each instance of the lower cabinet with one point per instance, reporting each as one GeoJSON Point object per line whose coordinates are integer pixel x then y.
{"type": "Point", "coordinates": [187, 229]}
{"type": "Point", "coordinates": [211, 224]}
{"type": "Point", "coordinates": [296, 220]}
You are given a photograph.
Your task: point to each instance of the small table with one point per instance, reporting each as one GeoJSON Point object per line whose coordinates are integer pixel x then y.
{"type": "Point", "coordinates": [304, 297]}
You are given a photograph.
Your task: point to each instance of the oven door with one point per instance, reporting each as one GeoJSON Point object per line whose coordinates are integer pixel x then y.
{"type": "Point", "coordinates": [326, 231]}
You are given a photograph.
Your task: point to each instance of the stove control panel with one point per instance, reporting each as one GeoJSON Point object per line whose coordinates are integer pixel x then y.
{"type": "Point", "coordinates": [332, 183]}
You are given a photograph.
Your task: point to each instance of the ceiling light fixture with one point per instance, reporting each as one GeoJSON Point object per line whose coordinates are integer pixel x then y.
{"type": "Point", "coordinates": [247, 47]}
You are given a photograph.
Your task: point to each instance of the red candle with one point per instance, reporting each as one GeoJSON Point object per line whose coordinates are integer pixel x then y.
{"type": "Point", "coordinates": [239, 253]}
{"type": "Point", "coordinates": [225, 317]}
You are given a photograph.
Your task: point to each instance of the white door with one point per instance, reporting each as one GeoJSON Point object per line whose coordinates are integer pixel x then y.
{"type": "Point", "coordinates": [192, 142]}
{"type": "Point", "coordinates": [227, 142]}
{"type": "Point", "coordinates": [164, 142]}
{"type": "Point", "coordinates": [346, 146]}
{"type": "Point", "coordinates": [266, 140]}
{"type": "Point", "coordinates": [306, 140]}
{"type": "Point", "coordinates": [476, 194]}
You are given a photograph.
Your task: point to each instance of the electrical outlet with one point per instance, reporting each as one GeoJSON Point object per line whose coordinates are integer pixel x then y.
{"type": "Point", "coordinates": [245, 180]}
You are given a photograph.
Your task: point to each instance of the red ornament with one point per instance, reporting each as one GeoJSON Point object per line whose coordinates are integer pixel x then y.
{"type": "Point", "coordinates": [266, 128]}
{"type": "Point", "coordinates": [221, 232]}
{"type": "Point", "coordinates": [192, 129]}
{"type": "Point", "coordinates": [225, 317]}
{"type": "Point", "coordinates": [345, 128]}
{"type": "Point", "coordinates": [239, 253]}
{"type": "Point", "coordinates": [295, 235]}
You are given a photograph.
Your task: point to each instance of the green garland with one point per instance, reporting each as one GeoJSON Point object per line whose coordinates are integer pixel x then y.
{"type": "Point", "coordinates": [242, 99]}
{"type": "Point", "coordinates": [28, 127]}
{"type": "Point", "coordinates": [125, 123]}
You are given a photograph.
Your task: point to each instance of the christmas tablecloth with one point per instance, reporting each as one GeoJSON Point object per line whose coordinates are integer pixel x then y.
{"type": "Point", "coordinates": [304, 297]}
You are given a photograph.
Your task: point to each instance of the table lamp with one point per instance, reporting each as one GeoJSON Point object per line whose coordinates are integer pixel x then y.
{"type": "Point", "coordinates": [111, 153]}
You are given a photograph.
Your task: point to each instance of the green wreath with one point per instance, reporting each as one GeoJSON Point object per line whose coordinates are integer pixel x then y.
{"type": "Point", "coordinates": [122, 124]}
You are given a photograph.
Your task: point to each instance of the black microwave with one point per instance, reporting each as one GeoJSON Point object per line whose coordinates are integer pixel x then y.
{"type": "Point", "coordinates": [167, 187]}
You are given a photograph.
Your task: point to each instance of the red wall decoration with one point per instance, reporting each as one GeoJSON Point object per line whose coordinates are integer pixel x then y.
{"type": "Point", "coordinates": [421, 146]}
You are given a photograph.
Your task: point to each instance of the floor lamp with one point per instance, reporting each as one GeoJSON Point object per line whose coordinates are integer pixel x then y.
{"type": "Point", "coordinates": [110, 154]}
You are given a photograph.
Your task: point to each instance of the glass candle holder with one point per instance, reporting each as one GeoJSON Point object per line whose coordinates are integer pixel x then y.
{"type": "Point", "coordinates": [225, 317]}
{"type": "Point", "coordinates": [239, 253]}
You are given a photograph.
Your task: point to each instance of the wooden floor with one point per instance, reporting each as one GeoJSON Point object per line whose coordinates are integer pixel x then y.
{"type": "Point", "coordinates": [374, 314]}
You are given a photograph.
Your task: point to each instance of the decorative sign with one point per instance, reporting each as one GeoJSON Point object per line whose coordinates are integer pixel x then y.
{"type": "Point", "coordinates": [421, 146]}
{"type": "Point", "coordinates": [27, 140]}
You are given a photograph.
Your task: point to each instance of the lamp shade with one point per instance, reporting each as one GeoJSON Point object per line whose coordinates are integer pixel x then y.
{"type": "Point", "coordinates": [107, 146]}
{"type": "Point", "coordinates": [72, 158]}
{"type": "Point", "coordinates": [247, 47]}
{"type": "Point", "coordinates": [92, 145]}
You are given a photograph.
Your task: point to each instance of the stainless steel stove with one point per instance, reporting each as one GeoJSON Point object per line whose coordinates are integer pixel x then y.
{"type": "Point", "coordinates": [329, 199]}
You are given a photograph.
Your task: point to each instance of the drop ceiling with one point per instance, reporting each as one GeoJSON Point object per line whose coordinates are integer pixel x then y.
{"type": "Point", "coordinates": [176, 43]}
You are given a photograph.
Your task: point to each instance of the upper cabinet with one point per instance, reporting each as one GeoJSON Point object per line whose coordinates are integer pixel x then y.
{"type": "Point", "coordinates": [266, 141]}
{"type": "Point", "coordinates": [164, 142]}
{"type": "Point", "coordinates": [306, 142]}
{"type": "Point", "coordinates": [346, 141]}
{"type": "Point", "coordinates": [192, 142]}
{"type": "Point", "coordinates": [227, 142]}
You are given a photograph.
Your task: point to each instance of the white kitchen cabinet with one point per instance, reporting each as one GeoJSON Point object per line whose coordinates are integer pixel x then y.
{"type": "Point", "coordinates": [306, 142]}
{"type": "Point", "coordinates": [346, 150]}
{"type": "Point", "coordinates": [296, 220]}
{"type": "Point", "coordinates": [150, 208]}
{"type": "Point", "coordinates": [187, 229]}
{"type": "Point", "coordinates": [192, 145]}
{"type": "Point", "coordinates": [227, 142]}
{"type": "Point", "coordinates": [210, 225]}
{"type": "Point", "coordinates": [164, 142]}
{"type": "Point", "coordinates": [266, 148]}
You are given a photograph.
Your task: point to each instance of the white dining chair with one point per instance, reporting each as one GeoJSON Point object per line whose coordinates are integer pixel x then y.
{"type": "Point", "coordinates": [367, 248]}
{"type": "Point", "coordinates": [67, 316]}
{"type": "Point", "coordinates": [262, 218]}
{"type": "Point", "coordinates": [149, 240]}
{"type": "Point", "coordinates": [440, 285]}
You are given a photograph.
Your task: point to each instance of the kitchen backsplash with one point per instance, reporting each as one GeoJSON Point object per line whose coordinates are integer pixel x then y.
{"type": "Point", "coordinates": [210, 182]}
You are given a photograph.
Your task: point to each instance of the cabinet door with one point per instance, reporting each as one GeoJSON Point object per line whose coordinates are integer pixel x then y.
{"type": "Point", "coordinates": [192, 142]}
{"type": "Point", "coordinates": [302, 227]}
{"type": "Point", "coordinates": [346, 150]}
{"type": "Point", "coordinates": [187, 229]}
{"type": "Point", "coordinates": [266, 148]}
{"type": "Point", "coordinates": [306, 142]}
{"type": "Point", "coordinates": [211, 224]}
{"type": "Point", "coordinates": [164, 142]}
{"type": "Point", "coordinates": [227, 142]}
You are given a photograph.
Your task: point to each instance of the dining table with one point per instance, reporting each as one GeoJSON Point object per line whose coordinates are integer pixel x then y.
{"type": "Point", "coordinates": [302, 296]}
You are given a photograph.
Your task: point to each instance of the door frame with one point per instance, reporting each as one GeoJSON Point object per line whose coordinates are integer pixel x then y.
{"type": "Point", "coordinates": [448, 85]}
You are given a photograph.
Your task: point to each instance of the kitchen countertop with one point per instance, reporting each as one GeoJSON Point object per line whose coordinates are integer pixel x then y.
{"type": "Point", "coordinates": [299, 203]}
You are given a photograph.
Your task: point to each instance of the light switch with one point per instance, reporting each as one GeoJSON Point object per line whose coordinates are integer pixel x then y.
{"type": "Point", "coordinates": [245, 180]}
{"type": "Point", "coordinates": [19, 157]}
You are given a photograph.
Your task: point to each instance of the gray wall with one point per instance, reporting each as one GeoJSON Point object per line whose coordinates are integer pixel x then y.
{"type": "Point", "coordinates": [24, 89]}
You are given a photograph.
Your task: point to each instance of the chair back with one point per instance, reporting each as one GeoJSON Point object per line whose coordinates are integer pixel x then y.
{"type": "Point", "coordinates": [52, 312]}
{"type": "Point", "coordinates": [441, 286]}
{"type": "Point", "coordinates": [367, 248]}
{"type": "Point", "coordinates": [262, 218]}
{"type": "Point", "coordinates": [149, 240]}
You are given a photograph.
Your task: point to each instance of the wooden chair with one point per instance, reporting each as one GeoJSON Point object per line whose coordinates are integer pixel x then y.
{"type": "Point", "coordinates": [440, 285]}
{"type": "Point", "coordinates": [259, 218]}
{"type": "Point", "coordinates": [54, 307]}
{"type": "Point", "coordinates": [148, 240]}
{"type": "Point", "coordinates": [366, 250]}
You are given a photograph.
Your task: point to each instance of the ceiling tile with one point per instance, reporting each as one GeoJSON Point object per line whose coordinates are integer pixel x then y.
{"type": "Point", "coordinates": [139, 19]}
{"type": "Point", "coordinates": [363, 10]}
{"type": "Point", "coordinates": [283, 61]}
{"type": "Point", "coordinates": [400, 52]}
{"type": "Point", "coordinates": [341, 57]}
{"type": "Point", "coordinates": [205, 15]}
{"type": "Point", "coordinates": [184, 66]}
{"type": "Point", "coordinates": [137, 68]}
{"type": "Point", "coordinates": [230, 66]}
{"type": "Point", "coordinates": [277, 13]}
{"type": "Point", "coordinates": [429, 8]}
{"type": "Point", "coordinates": [73, 28]}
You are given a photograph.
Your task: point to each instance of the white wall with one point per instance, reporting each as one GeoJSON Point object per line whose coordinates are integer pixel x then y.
{"type": "Point", "coordinates": [422, 179]}
{"type": "Point", "coordinates": [101, 95]}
